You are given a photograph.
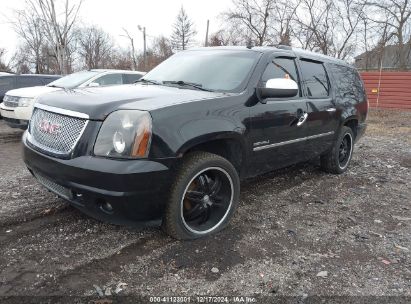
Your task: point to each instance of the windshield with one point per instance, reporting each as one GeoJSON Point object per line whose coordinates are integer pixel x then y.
{"type": "Point", "coordinates": [73, 80]}
{"type": "Point", "coordinates": [220, 70]}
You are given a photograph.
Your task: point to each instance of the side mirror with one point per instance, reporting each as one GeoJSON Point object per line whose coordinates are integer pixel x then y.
{"type": "Point", "coordinates": [279, 88]}
{"type": "Point", "coordinates": [94, 84]}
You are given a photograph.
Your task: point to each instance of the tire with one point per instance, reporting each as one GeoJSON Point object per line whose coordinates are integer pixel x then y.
{"type": "Point", "coordinates": [332, 161]}
{"type": "Point", "coordinates": [203, 196]}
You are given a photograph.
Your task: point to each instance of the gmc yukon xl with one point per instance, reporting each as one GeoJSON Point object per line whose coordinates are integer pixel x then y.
{"type": "Point", "coordinates": [172, 148]}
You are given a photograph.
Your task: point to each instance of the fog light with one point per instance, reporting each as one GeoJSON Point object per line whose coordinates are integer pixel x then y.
{"type": "Point", "coordinates": [107, 207]}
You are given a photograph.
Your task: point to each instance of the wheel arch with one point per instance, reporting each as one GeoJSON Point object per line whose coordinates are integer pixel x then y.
{"type": "Point", "coordinates": [351, 122]}
{"type": "Point", "coordinates": [230, 145]}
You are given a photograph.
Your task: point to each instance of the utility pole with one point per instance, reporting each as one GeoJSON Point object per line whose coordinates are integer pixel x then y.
{"type": "Point", "coordinates": [206, 38]}
{"type": "Point", "coordinates": [143, 29]}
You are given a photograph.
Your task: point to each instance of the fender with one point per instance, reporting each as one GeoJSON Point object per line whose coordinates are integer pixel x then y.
{"type": "Point", "coordinates": [356, 112]}
{"type": "Point", "coordinates": [186, 126]}
{"type": "Point", "coordinates": [193, 133]}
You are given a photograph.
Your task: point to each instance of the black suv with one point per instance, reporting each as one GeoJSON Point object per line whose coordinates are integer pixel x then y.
{"type": "Point", "coordinates": [175, 146]}
{"type": "Point", "coordinates": [10, 81]}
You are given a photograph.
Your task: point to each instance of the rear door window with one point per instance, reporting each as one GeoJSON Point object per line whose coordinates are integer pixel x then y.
{"type": "Point", "coordinates": [315, 79]}
{"type": "Point", "coordinates": [131, 78]}
{"type": "Point", "coordinates": [280, 68]}
{"type": "Point", "coordinates": [347, 82]}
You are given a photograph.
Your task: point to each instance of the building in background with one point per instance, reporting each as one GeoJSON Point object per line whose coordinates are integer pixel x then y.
{"type": "Point", "coordinates": [371, 60]}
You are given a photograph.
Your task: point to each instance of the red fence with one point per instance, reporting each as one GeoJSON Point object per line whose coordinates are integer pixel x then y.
{"type": "Point", "coordinates": [388, 89]}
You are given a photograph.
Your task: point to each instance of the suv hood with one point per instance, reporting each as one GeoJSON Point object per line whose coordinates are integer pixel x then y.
{"type": "Point", "coordinates": [98, 102]}
{"type": "Point", "coordinates": [31, 92]}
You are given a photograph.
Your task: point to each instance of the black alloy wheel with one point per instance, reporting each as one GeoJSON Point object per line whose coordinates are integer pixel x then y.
{"type": "Point", "coordinates": [203, 196]}
{"type": "Point", "coordinates": [207, 200]}
{"type": "Point", "coordinates": [337, 159]}
{"type": "Point", "coordinates": [345, 150]}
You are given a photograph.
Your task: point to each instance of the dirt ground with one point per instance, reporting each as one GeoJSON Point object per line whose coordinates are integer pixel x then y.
{"type": "Point", "coordinates": [298, 232]}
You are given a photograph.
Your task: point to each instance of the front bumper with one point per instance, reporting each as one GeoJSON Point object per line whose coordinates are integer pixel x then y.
{"type": "Point", "coordinates": [16, 117]}
{"type": "Point", "coordinates": [136, 189]}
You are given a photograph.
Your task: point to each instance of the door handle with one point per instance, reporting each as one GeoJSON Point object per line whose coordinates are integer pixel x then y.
{"type": "Point", "coordinates": [302, 119]}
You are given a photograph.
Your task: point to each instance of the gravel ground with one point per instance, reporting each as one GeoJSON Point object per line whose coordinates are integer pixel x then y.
{"type": "Point", "coordinates": [298, 232]}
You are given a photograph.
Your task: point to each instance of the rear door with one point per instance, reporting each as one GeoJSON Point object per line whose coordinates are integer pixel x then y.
{"type": "Point", "coordinates": [277, 138]}
{"type": "Point", "coordinates": [322, 120]}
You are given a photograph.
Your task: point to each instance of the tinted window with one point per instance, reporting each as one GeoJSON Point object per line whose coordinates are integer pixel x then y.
{"type": "Point", "coordinates": [28, 81]}
{"type": "Point", "coordinates": [280, 68]}
{"type": "Point", "coordinates": [131, 78]}
{"type": "Point", "coordinates": [347, 82]}
{"type": "Point", "coordinates": [6, 83]}
{"type": "Point", "coordinates": [315, 79]}
{"type": "Point", "coordinates": [110, 79]}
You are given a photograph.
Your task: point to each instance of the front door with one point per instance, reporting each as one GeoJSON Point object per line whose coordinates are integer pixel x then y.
{"type": "Point", "coordinates": [277, 134]}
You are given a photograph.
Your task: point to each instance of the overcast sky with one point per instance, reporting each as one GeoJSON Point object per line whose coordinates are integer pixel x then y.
{"type": "Point", "coordinates": [157, 16]}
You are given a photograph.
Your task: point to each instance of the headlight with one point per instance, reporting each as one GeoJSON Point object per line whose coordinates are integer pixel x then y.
{"type": "Point", "coordinates": [7, 98]}
{"type": "Point", "coordinates": [25, 101]}
{"type": "Point", "coordinates": [124, 134]}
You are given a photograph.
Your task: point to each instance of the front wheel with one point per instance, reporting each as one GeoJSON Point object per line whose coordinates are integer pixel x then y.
{"type": "Point", "coordinates": [338, 158]}
{"type": "Point", "coordinates": [203, 196]}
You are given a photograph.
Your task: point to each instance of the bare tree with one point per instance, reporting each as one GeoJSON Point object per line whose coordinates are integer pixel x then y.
{"type": "Point", "coordinates": [57, 22]}
{"type": "Point", "coordinates": [261, 22]}
{"type": "Point", "coordinates": [132, 48]}
{"type": "Point", "coordinates": [283, 16]}
{"type": "Point", "coordinates": [4, 67]}
{"type": "Point", "coordinates": [162, 47]}
{"type": "Point", "coordinates": [94, 47]}
{"type": "Point", "coordinates": [231, 35]}
{"type": "Point", "coordinates": [329, 26]}
{"type": "Point", "coordinates": [160, 50]}
{"type": "Point", "coordinates": [314, 23]}
{"type": "Point", "coordinates": [254, 15]}
{"type": "Point", "coordinates": [121, 59]}
{"type": "Point", "coordinates": [183, 31]}
{"type": "Point", "coordinates": [29, 27]}
{"type": "Point", "coordinates": [394, 14]}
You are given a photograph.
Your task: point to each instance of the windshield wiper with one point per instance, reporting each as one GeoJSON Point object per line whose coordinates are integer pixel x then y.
{"type": "Point", "coordinates": [187, 84]}
{"type": "Point", "coordinates": [143, 80]}
{"type": "Point", "coordinates": [54, 86]}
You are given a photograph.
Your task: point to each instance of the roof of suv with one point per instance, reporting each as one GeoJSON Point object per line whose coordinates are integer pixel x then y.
{"type": "Point", "coordinates": [270, 49]}
{"type": "Point", "coordinates": [29, 75]}
{"type": "Point", "coordinates": [117, 71]}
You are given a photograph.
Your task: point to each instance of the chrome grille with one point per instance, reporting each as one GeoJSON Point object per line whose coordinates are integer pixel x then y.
{"type": "Point", "coordinates": [53, 187]}
{"type": "Point", "coordinates": [11, 101]}
{"type": "Point", "coordinates": [53, 132]}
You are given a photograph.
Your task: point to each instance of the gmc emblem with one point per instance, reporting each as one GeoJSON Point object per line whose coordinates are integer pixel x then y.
{"type": "Point", "coordinates": [48, 127]}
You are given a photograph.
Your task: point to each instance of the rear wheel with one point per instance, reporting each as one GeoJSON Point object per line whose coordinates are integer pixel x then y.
{"type": "Point", "coordinates": [203, 196]}
{"type": "Point", "coordinates": [338, 158]}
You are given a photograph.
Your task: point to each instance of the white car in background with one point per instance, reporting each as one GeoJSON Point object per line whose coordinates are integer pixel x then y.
{"type": "Point", "coordinates": [17, 105]}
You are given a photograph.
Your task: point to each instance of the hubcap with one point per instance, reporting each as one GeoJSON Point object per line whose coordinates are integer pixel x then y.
{"type": "Point", "coordinates": [344, 152]}
{"type": "Point", "coordinates": [207, 200]}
